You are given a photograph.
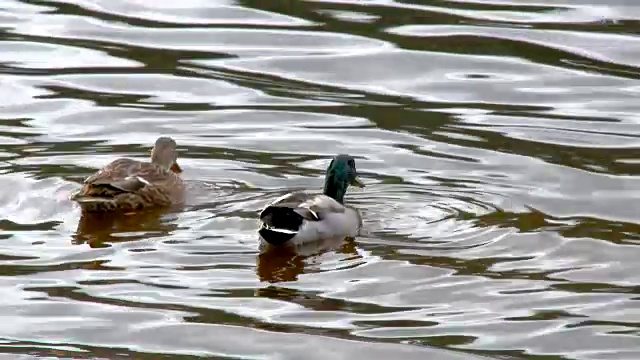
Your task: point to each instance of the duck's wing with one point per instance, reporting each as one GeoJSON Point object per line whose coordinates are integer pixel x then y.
{"type": "Point", "coordinates": [115, 170]}
{"type": "Point", "coordinates": [128, 175]}
{"type": "Point", "coordinates": [320, 205]}
{"type": "Point", "coordinates": [312, 207]}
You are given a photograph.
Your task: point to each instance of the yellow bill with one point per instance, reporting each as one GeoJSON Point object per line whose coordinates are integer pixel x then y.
{"type": "Point", "coordinates": [357, 182]}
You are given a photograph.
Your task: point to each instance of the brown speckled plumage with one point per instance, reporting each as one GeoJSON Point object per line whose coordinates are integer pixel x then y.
{"type": "Point", "coordinates": [129, 185]}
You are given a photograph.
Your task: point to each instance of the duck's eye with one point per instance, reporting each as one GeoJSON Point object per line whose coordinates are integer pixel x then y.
{"type": "Point", "coordinates": [352, 163]}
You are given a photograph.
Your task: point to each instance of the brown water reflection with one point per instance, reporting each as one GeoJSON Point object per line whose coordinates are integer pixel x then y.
{"type": "Point", "coordinates": [98, 230]}
{"type": "Point", "coordinates": [287, 262]}
{"type": "Point", "coordinates": [498, 140]}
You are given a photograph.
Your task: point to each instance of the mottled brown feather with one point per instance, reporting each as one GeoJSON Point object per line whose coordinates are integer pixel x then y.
{"type": "Point", "coordinates": [109, 189]}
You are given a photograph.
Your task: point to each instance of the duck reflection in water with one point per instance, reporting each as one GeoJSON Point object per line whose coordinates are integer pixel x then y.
{"type": "Point", "coordinates": [286, 262]}
{"type": "Point", "coordinates": [99, 229]}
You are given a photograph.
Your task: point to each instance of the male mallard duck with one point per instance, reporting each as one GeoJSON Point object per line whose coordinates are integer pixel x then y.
{"type": "Point", "coordinates": [300, 217]}
{"type": "Point", "coordinates": [127, 184]}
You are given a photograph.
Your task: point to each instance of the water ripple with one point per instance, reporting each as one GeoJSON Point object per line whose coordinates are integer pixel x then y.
{"type": "Point", "coordinates": [498, 141]}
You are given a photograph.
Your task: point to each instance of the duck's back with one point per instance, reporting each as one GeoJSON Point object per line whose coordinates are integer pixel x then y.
{"type": "Point", "coordinates": [118, 170]}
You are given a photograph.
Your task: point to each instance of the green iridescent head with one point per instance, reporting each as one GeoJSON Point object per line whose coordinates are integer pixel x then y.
{"type": "Point", "coordinates": [340, 174]}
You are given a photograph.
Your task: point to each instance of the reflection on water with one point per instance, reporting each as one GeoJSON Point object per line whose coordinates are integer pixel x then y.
{"type": "Point", "coordinates": [497, 138]}
{"type": "Point", "coordinates": [99, 230]}
{"type": "Point", "coordinates": [285, 263]}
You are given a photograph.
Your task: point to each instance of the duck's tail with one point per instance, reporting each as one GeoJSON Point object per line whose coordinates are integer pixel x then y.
{"type": "Point", "coordinates": [279, 224]}
{"type": "Point", "coordinates": [94, 204]}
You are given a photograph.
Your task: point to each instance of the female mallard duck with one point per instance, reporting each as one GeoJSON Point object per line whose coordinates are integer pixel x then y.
{"type": "Point", "coordinates": [127, 184]}
{"type": "Point", "coordinates": [300, 217]}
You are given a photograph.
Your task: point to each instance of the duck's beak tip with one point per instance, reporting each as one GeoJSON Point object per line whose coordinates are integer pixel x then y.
{"type": "Point", "coordinates": [176, 168]}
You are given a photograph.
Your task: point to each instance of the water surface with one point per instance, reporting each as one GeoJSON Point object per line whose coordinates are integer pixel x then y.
{"type": "Point", "coordinates": [499, 141]}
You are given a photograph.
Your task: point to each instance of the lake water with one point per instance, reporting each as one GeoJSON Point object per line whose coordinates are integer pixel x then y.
{"type": "Point", "coordinates": [499, 141]}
